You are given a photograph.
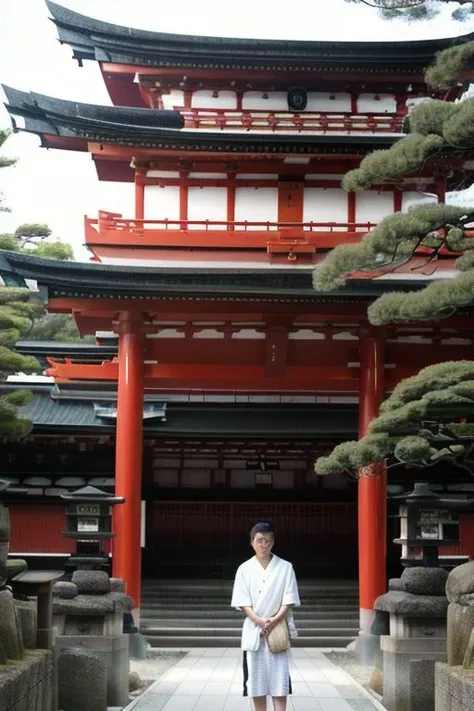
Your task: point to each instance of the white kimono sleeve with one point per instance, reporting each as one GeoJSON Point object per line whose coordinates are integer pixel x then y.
{"type": "Point", "coordinates": [290, 593]}
{"type": "Point", "coordinates": [240, 593]}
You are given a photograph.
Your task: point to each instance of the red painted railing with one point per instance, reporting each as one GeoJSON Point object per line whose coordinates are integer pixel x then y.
{"type": "Point", "coordinates": [114, 221]}
{"type": "Point", "coordinates": [260, 120]}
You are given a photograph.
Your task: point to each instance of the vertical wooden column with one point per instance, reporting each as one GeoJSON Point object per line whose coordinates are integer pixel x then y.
{"type": "Point", "coordinates": [183, 199]}
{"type": "Point", "coordinates": [372, 485]}
{"type": "Point", "coordinates": [139, 194]}
{"type": "Point", "coordinates": [128, 459]}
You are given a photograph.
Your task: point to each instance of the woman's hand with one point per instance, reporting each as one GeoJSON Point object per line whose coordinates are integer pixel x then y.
{"type": "Point", "coordinates": [270, 624]}
{"type": "Point", "coordinates": [261, 622]}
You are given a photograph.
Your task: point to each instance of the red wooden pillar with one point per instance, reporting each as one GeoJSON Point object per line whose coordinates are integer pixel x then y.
{"type": "Point", "coordinates": [128, 460]}
{"type": "Point", "coordinates": [372, 486]}
{"type": "Point", "coordinates": [139, 194]}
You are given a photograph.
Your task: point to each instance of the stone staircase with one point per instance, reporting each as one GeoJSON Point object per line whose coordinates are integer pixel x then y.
{"type": "Point", "coordinates": [196, 613]}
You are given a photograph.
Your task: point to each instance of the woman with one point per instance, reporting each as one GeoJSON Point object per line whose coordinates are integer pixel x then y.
{"type": "Point", "coordinates": [265, 589]}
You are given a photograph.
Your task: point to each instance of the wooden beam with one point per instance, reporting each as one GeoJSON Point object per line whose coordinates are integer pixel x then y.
{"type": "Point", "coordinates": [229, 378]}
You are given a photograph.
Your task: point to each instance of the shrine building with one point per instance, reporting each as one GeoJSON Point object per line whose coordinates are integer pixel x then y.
{"type": "Point", "coordinates": [218, 374]}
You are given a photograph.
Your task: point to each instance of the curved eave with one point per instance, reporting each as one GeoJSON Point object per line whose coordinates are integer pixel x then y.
{"type": "Point", "coordinates": [49, 115]}
{"type": "Point", "coordinates": [90, 281]}
{"type": "Point", "coordinates": [100, 41]}
{"type": "Point", "coordinates": [56, 119]}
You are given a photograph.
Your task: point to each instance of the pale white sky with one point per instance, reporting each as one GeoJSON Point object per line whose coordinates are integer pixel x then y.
{"type": "Point", "coordinates": [58, 187]}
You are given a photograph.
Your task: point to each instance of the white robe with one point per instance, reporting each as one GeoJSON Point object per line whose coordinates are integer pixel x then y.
{"type": "Point", "coordinates": [265, 590]}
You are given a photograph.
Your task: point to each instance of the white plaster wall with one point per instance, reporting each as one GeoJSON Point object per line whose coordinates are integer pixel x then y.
{"type": "Point", "coordinates": [256, 205]}
{"type": "Point", "coordinates": [174, 98]}
{"type": "Point", "coordinates": [162, 204]}
{"type": "Point", "coordinates": [207, 204]}
{"type": "Point", "coordinates": [367, 103]}
{"type": "Point", "coordinates": [204, 99]}
{"type": "Point", "coordinates": [325, 205]}
{"type": "Point", "coordinates": [411, 198]}
{"type": "Point", "coordinates": [162, 173]}
{"type": "Point", "coordinates": [116, 197]}
{"type": "Point", "coordinates": [253, 100]}
{"type": "Point", "coordinates": [321, 101]}
{"type": "Point", "coordinates": [372, 206]}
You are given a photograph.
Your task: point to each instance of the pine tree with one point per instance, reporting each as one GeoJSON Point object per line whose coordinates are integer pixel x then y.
{"type": "Point", "coordinates": [20, 310]}
{"type": "Point", "coordinates": [428, 418]}
{"type": "Point", "coordinates": [412, 10]}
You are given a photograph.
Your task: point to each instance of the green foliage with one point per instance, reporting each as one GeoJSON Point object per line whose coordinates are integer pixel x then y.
{"type": "Point", "coordinates": [442, 375]}
{"type": "Point", "coordinates": [429, 116]}
{"type": "Point", "coordinates": [9, 243]}
{"type": "Point", "coordinates": [32, 231]}
{"type": "Point", "coordinates": [345, 258]}
{"type": "Point", "coordinates": [449, 65]}
{"type": "Point", "coordinates": [57, 327]}
{"type": "Point", "coordinates": [392, 240]}
{"type": "Point", "coordinates": [418, 424]}
{"type": "Point", "coordinates": [52, 250]}
{"type": "Point", "coordinates": [433, 125]}
{"type": "Point", "coordinates": [415, 10]}
{"type": "Point", "coordinates": [5, 162]}
{"type": "Point", "coordinates": [413, 449]}
{"type": "Point", "coordinates": [438, 300]}
{"type": "Point", "coordinates": [405, 156]}
{"type": "Point", "coordinates": [19, 398]}
{"type": "Point", "coordinates": [458, 129]}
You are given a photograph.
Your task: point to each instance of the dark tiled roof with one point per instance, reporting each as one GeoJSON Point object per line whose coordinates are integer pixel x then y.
{"type": "Point", "coordinates": [92, 280]}
{"type": "Point", "coordinates": [47, 116]}
{"type": "Point", "coordinates": [83, 352]}
{"type": "Point", "coordinates": [48, 413]}
{"type": "Point", "coordinates": [58, 117]}
{"type": "Point", "coordinates": [104, 42]}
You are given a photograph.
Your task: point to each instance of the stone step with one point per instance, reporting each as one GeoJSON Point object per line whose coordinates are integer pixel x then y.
{"type": "Point", "coordinates": [236, 622]}
{"type": "Point", "coordinates": [203, 604]}
{"type": "Point", "coordinates": [224, 600]}
{"type": "Point", "coordinates": [226, 641]}
{"type": "Point", "coordinates": [159, 608]}
{"type": "Point", "coordinates": [237, 632]}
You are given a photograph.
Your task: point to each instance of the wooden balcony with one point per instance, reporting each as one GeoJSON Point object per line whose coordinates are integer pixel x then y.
{"type": "Point", "coordinates": [315, 122]}
{"type": "Point", "coordinates": [111, 230]}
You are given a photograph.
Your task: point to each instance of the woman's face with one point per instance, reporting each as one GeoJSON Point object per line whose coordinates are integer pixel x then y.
{"type": "Point", "coordinates": [263, 544]}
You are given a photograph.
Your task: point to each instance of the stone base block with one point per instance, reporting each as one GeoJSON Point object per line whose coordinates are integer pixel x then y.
{"type": "Point", "coordinates": [454, 688]}
{"type": "Point", "coordinates": [27, 685]}
{"type": "Point", "coordinates": [399, 672]}
{"type": "Point", "coordinates": [138, 646]}
{"type": "Point", "coordinates": [367, 648]}
{"type": "Point", "coordinates": [114, 652]}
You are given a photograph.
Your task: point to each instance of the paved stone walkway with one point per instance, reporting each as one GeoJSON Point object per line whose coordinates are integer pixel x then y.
{"type": "Point", "coordinates": [211, 680]}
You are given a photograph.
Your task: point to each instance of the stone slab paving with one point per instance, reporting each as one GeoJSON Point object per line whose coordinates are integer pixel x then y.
{"type": "Point", "coordinates": [211, 680]}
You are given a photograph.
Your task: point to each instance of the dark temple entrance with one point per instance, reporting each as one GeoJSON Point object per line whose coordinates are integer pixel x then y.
{"type": "Point", "coordinates": [210, 539]}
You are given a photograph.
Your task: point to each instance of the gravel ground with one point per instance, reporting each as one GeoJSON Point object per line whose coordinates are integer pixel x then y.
{"type": "Point", "coordinates": [347, 661]}
{"type": "Point", "coordinates": [151, 668]}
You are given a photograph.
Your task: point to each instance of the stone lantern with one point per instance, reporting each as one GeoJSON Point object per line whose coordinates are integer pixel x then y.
{"type": "Point", "coordinates": [89, 523]}
{"type": "Point", "coordinates": [428, 522]}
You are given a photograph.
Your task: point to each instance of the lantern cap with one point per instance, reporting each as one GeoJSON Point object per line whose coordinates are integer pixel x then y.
{"type": "Point", "coordinates": [421, 493]}
{"type": "Point", "coordinates": [91, 493]}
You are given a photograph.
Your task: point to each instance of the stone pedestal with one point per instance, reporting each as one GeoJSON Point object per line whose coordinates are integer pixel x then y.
{"type": "Point", "coordinates": [82, 681]}
{"type": "Point", "coordinates": [28, 685]}
{"type": "Point", "coordinates": [417, 608]}
{"type": "Point", "coordinates": [88, 617]}
{"type": "Point", "coordinates": [113, 653]}
{"type": "Point", "coordinates": [408, 670]}
{"type": "Point", "coordinates": [454, 688]}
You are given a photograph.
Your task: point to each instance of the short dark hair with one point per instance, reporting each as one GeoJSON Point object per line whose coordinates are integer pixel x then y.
{"type": "Point", "coordinates": [261, 527]}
